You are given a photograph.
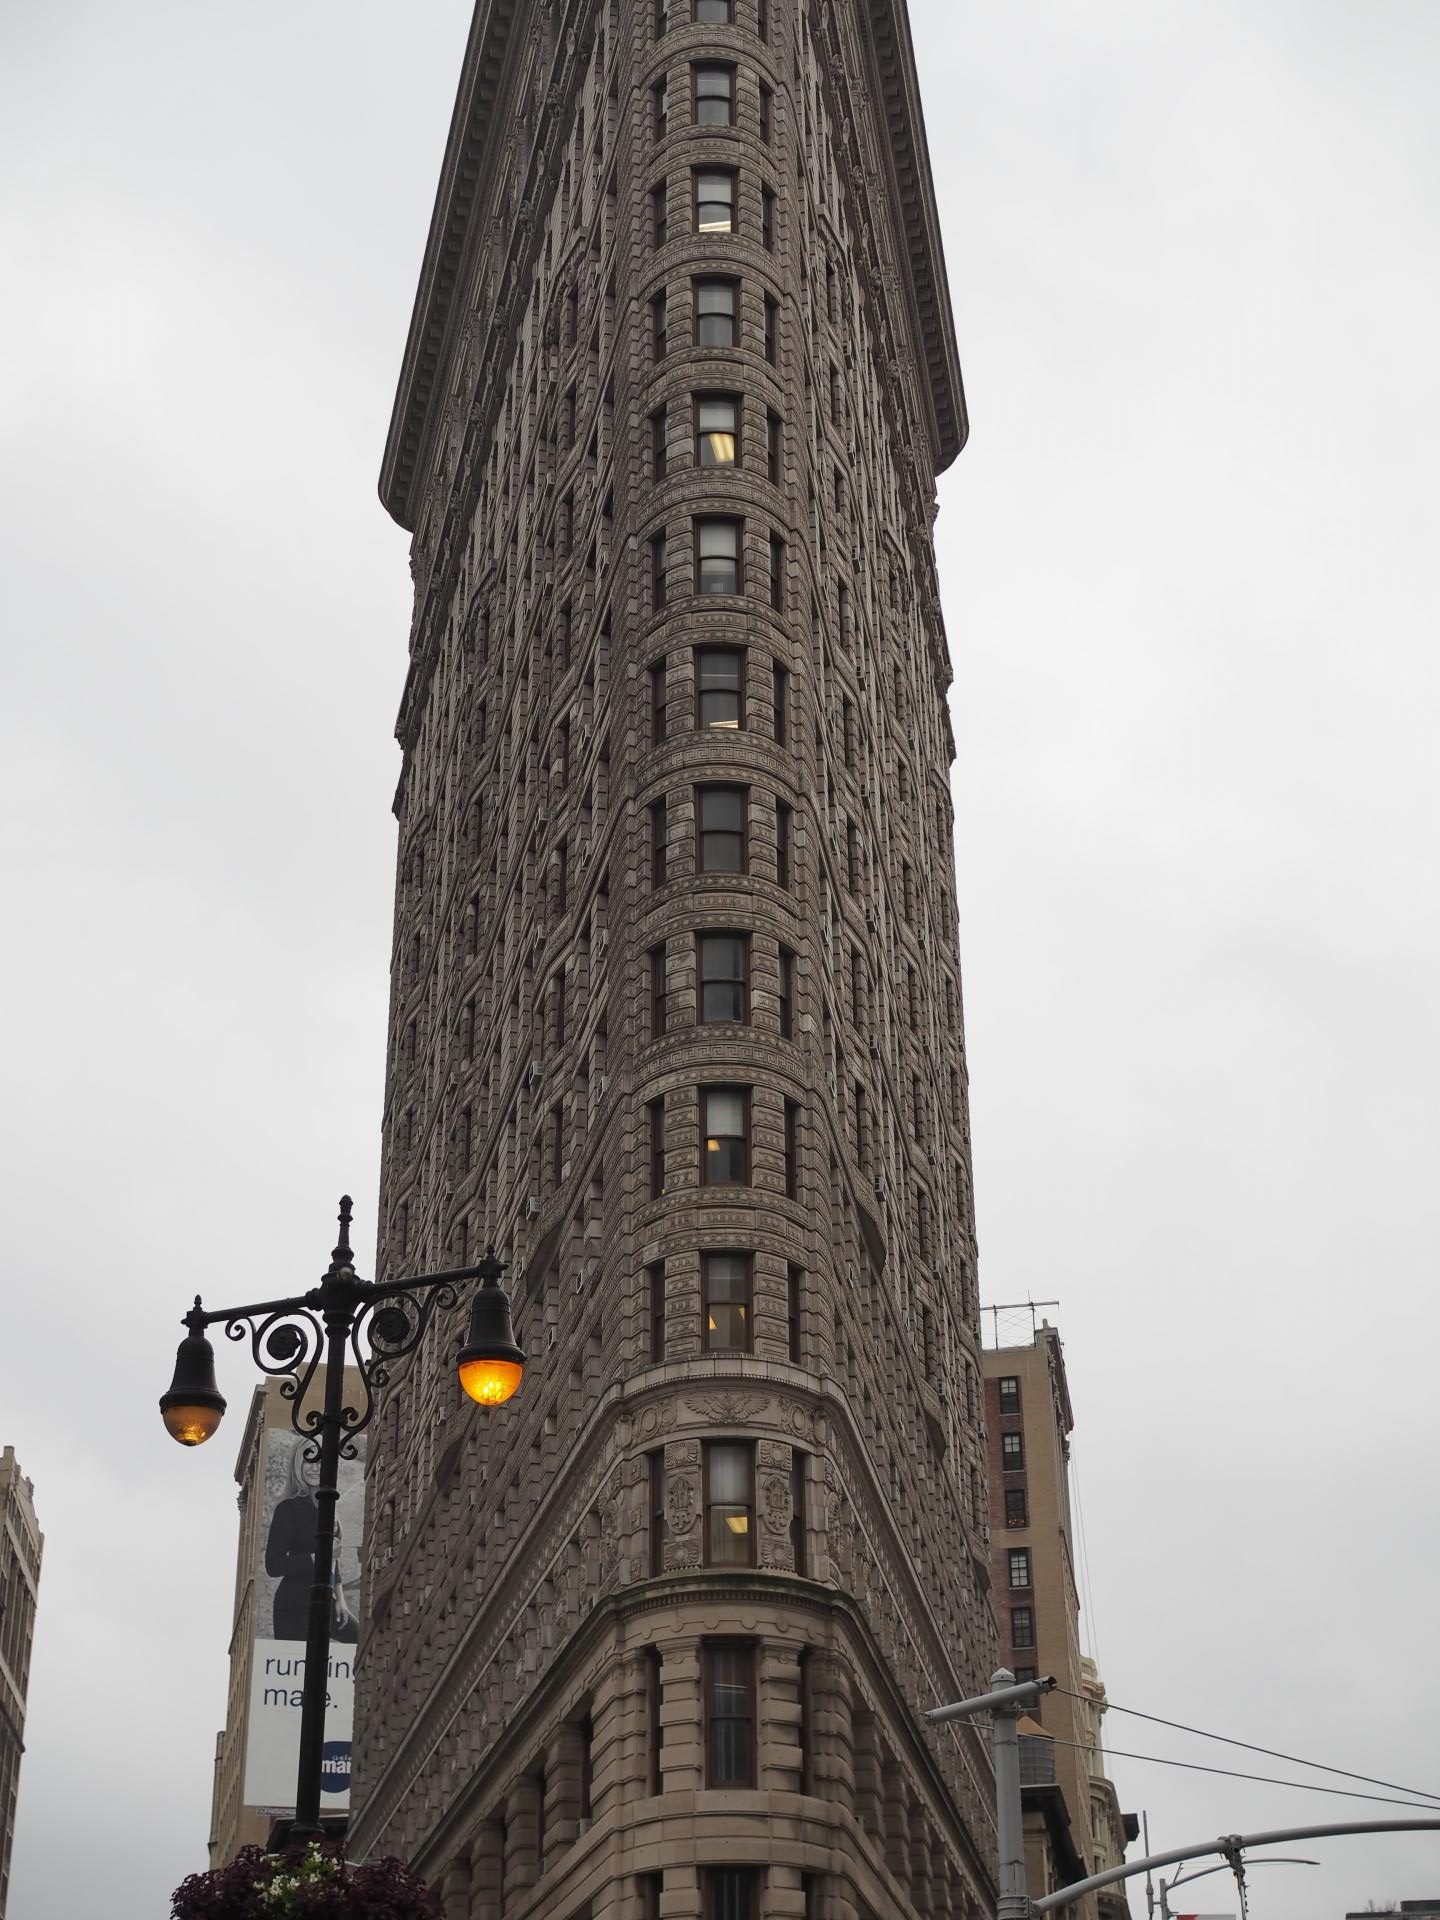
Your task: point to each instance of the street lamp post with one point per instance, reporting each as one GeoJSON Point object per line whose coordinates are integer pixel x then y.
{"type": "Point", "coordinates": [288, 1339]}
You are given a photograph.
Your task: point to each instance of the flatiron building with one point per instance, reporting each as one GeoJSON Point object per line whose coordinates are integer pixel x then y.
{"type": "Point", "coordinates": [676, 1016]}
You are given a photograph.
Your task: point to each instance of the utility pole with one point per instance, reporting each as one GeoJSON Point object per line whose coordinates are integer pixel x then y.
{"type": "Point", "coordinates": [1005, 1703]}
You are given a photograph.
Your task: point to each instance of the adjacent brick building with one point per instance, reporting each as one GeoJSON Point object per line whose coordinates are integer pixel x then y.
{"type": "Point", "coordinates": [21, 1547]}
{"type": "Point", "coordinates": [1073, 1826]}
{"type": "Point", "coordinates": [676, 1015]}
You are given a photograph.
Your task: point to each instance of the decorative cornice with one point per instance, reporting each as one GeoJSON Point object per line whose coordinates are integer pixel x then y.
{"type": "Point", "coordinates": [476, 127]}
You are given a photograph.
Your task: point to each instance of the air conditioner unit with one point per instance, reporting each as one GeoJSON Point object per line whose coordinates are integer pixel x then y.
{"type": "Point", "coordinates": [830, 1080]}
{"type": "Point", "coordinates": [532, 1073]}
{"type": "Point", "coordinates": [882, 1186]}
{"type": "Point", "coordinates": [532, 1206]}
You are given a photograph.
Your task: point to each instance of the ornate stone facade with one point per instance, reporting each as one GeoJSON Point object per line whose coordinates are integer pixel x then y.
{"type": "Point", "coordinates": [676, 1000]}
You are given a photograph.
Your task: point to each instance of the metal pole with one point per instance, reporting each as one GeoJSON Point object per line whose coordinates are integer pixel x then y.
{"type": "Point", "coordinates": [315, 1694]}
{"type": "Point", "coordinates": [1014, 1903]}
{"type": "Point", "coordinates": [1228, 1844]}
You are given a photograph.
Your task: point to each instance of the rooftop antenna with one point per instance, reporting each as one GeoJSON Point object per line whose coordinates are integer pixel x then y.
{"type": "Point", "coordinates": [1016, 1306]}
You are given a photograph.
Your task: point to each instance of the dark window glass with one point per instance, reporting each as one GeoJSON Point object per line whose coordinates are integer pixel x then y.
{"type": "Point", "coordinates": [1017, 1507]}
{"type": "Point", "coordinates": [1012, 1452]}
{"type": "Point", "coordinates": [660, 94]}
{"type": "Point", "coordinates": [659, 1006]}
{"type": "Point", "coordinates": [730, 1716]}
{"type": "Point", "coordinates": [772, 330]}
{"type": "Point", "coordinates": [1019, 1565]}
{"type": "Point", "coordinates": [714, 200]}
{"type": "Point", "coordinates": [780, 702]}
{"type": "Point", "coordinates": [1009, 1385]}
{"type": "Point", "coordinates": [655, 1280]}
{"type": "Point", "coordinates": [662, 17]}
{"type": "Point", "coordinates": [660, 214]}
{"type": "Point", "coordinates": [721, 815]}
{"type": "Point", "coordinates": [782, 843]}
{"type": "Point", "coordinates": [717, 430]}
{"type": "Point", "coordinates": [767, 219]}
{"type": "Point", "coordinates": [655, 1113]}
{"type": "Point", "coordinates": [659, 439]}
{"type": "Point", "coordinates": [787, 994]}
{"type": "Point", "coordinates": [1022, 1627]}
{"type": "Point", "coordinates": [657, 703]}
{"type": "Point", "coordinates": [658, 324]}
{"type": "Point", "coordinates": [762, 18]}
{"type": "Point", "coordinates": [658, 582]}
{"type": "Point", "coordinates": [724, 967]}
{"type": "Point", "coordinates": [654, 1700]}
{"type": "Point", "coordinates": [725, 1136]}
{"type": "Point", "coordinates": [729, 1503]}
{"type": "Point", "coordinates": [659, 843]}
{"type": "Point", "coordinates": [767, 107]}
{"type": "Point", "coordinates": [714, 96]}
{"type": "Point", "coordinates": [798, 1516]}
{"type": "Point", "coordinates": [773, 447]}
{"type": "Point", "coordinates": [717, 556]}
{"type": "Point", "coordinates": [726, 1306]}
{"type": "Point", "coordinates": [792, 1295]}
{"type": "Point", "coordinates": [792, 1149]}
{"type": "Point", "coordinates": [777, 573]}
{"type": "Point", "coordinates": [715, 305]}
{"type": "Point", "coordinates": [719, 688]}
{"type": "Point", "coordinates": [730, 1893]}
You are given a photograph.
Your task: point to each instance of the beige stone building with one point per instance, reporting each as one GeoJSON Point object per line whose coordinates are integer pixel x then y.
{"type": "Point", "coordinates": [1073, 1826]}
{"type": "Point", "coordinates": [676, 1014]}
{"type": "Point", "coordinates": [22, 1546]}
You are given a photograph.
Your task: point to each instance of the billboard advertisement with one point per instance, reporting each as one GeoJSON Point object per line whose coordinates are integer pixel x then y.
{"type": "Point", "coordinates": [283, 1579]}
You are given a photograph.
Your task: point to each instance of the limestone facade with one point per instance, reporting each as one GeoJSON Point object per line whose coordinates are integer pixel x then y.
{"type": "Point", "coordinates": [676, 1017]}
{"type": "Point", "coordinates": [22, 1546]}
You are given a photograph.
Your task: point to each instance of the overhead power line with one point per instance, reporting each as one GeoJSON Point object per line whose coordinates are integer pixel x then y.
{"type": "Point", "coordinates": [1270, 1753]}
{"type": "Point", "coordinates": [1265, 1779]}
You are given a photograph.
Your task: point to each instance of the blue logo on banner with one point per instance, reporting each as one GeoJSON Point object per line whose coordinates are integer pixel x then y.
{"type": "Point", "coordinates": [335, 1767]}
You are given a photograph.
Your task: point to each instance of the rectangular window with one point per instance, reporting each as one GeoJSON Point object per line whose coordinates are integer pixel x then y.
{"type": "Point", "coordinates": [658, 321]}
{"type": "Point", "coordinates": [660, 95]}
{"type": "Point", "coordinates": [716, 302]}
{"type": "Point", "coordinates": [654, 1724]}
{"type": "Point", "coordinates": [717, 430]}
{"type": "Point", "coordinates": [794, 1279]}
{"type": "Point", "coordinates": [762, 19]}
{"type": "Point", "coordinates": [1022, 1626]}
{"type": "Point", "coordinates": [772, 330]}
{"type": "Point", "coordinates": [662, 17]}
{"type": "Point", "coordinates": [777, 573]}
{"type": "Point", "coordinates": [723, 964]}
{"type": "Point", "coordinates": [657, 703]}
{"type": "Point", "coordinates": [659, 843]}
{"type": "Point", "coordinates": [714, 95]}
{"type": "Point", "coordinates": [767, 219]}
{"type": "Point", "coordinates": [725, 1136]}
{"type": "Point", "coordinates": [729, 1503]}
{"type": "Point", "coordinates": [1017, 1507]}
{"type": "Point", "coordinates": [721, 822]}
{"type": "Point", "coordinates": [782, 844]}
{"type": "Point", "coordinates": [852, 856]}
{"type": "Point", "coordinates": [767, 113]}
{"type": "Point", "coordinates": [730, 1893]}
{"type": "Point", "coordinates": [1012, 1452]}
{"type": "Point", "coordinates": [1009, 1386]}
{"type": "Point", "coordinates": [780, 702]}
{"type": "Point", "coordinates": [714, 200]}
{"type": "Point", "coordinates": [787, 994]}
{"type": "Point", "coordinates": [1019, 1566]}
{"type": "Point", "coordinates": [660, 214]}
{"type": "Point", "coordinates": [729, 1715]}
{"type": "Point", "coordinates": [717, 556]}
{"type": "Point", "coordinates": [715, 13]}
{"type": "Point", "coordinates": [726, 1305]}
{"type": "Point", "coordinates": [719, 689]}
{"type": "Point", "coordinates": [658, 582]}
{"type": "Point", "coordinates": [659, 1526]}
{"type": "Point", "coordinates": [792, 1149]}
{"type": "Point", "coordinates": [655, 1287]}
{"type": "Point", "coordinates": [659, 993]}
{"type": "Point", "coordinates": [797, 1513]}
{"type": "Point", "coordinates": [773, 447]}
{"type": "Point", "coordinates": [655, 1117]}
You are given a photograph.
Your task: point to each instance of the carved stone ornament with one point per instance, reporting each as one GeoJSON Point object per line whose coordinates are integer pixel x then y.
{"type": "Point", "coordinates": [728, 1409]}
{"type": "Point", "coordinates": [679, 1503]}
{"type": "Point", "coordinates": [777, 1505]}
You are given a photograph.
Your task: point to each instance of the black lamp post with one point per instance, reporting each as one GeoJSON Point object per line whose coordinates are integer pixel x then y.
{"type": "Point", "coordinates": [288, 1339]}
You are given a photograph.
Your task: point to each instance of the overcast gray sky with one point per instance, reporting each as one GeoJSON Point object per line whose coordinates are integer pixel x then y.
{"type": "Point", "coordinates": [1188, 563]}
